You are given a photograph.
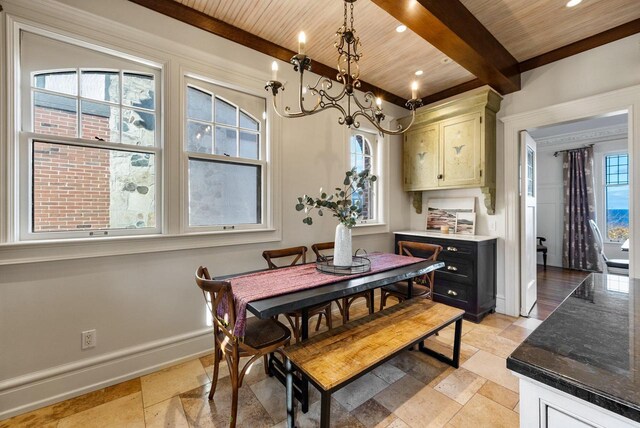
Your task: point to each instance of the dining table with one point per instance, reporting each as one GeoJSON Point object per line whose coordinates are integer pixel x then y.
{"type": "Point", "coordinates": [299, 297]}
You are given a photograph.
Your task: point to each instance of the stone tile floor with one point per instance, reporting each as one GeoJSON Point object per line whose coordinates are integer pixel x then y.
{"type": "Point", "coordinates": [411, 390]}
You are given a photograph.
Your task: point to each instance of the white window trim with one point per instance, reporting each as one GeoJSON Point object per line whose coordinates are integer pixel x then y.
{"type": "Point", "coordinates": [81, 26]}
{"type": "Point", "coordinates": [602, 211]}
{"type": "Point", "coordinates": [381, 171]}
{"type": "Point", "coordinates": [19, 142]}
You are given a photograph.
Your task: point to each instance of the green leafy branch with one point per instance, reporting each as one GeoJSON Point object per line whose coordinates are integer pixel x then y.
{"type": "Point", "coordinates": [341, 202]}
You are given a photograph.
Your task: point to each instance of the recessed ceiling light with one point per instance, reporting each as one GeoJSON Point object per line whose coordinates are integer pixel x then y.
{"type": "Point", "coordinates": [403, 28]}
{"type": "Point", "coordinates": [419, 73]}
{"type": "Point", "coordinates": [572, 3]}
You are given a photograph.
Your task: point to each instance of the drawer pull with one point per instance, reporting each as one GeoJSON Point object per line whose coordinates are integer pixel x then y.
{"type": "Point", "coordinates": [452, 249]}
{"type": "Point", "coordinates": [452, 293]}
{"type": "Point", "coordinates": [452, 268]}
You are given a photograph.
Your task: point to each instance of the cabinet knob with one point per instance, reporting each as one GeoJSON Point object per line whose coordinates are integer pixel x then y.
{"type": "Point", "coordinates": [452, 268]}
{"type": "Point", "coordinates": [452, 249]}
{"type": "Point", "coordinates": [440, 176]}
{"type": "Point", "coordinates": [452, 293]}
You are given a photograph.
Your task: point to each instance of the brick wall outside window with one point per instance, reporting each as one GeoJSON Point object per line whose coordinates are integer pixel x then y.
{"type": "Point", "coordinates": [71, 185]}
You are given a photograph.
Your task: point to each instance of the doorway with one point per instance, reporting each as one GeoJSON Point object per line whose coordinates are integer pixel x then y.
{"type": "Point", "coordinates": [547, 271]}
{"type": "Point", "coordinates": [627, 99]}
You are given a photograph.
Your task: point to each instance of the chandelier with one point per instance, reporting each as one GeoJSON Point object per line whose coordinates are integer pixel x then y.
{"type": "Point", "coordinates": [370, 108]}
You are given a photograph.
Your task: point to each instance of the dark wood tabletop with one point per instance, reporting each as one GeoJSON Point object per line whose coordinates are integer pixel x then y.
{"type": "Point", "coordinates": [299, 300]}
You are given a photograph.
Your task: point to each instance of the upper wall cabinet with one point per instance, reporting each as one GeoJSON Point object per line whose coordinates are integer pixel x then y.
{"type": "Point", "coordinates": [453, 146]}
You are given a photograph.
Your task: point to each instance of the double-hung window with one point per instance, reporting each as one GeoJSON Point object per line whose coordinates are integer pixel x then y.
{"type": "Point", "coordinates": [363, 149]}
{"type": "Point", "coordinates": [225, 152]}
{"type": "Point", "coordinates": [616, 196]}
{"type": "Point", "coordinates": [89, 146]}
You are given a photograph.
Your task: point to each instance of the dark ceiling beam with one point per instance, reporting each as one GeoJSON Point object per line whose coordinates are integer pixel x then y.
{"type": "Point", "coordinates": [450, 92]}
{"type": "Point", "coordinates": [212, 25]}
{"type": "Point", "coordinates": [452, 29]}
{"type": "Point", "coordinates": [611, 35]}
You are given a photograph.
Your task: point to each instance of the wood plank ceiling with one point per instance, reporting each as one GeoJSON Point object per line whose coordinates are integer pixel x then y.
{"type": "Point", "coordinates": [488, 39]}
{"type": "Point", "coordinates": [530, 28]}
{"type": "Point", "coordinates": [389, 58]}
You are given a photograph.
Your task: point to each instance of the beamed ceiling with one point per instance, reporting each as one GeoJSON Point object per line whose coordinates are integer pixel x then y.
{"type": "Point", "coordinates": [459, 44]}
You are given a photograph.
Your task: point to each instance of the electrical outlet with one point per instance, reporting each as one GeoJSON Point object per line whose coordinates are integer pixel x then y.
{"type": "Point", "coordinates": [89, 339]}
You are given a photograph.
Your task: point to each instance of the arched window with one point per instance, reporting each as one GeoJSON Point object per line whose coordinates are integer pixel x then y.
{"type": "Point", "coordinates": [89, 142]}
{"type": "Point", "coordinates": [224, 145]}
{"type": "Point", "coordinates": [362, 158]}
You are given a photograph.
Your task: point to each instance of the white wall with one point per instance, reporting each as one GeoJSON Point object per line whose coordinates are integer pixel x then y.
{"type": "Point", "coordinates": [606, 68]}
{"type": "Point", "coordinates": [146, 307]}
{"type": "Point", "coordinates": [550, 221]}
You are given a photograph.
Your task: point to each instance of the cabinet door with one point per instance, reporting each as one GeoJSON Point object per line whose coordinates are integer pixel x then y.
{"type": "Point", "coordinates": [421, 158]}
{"type": "Point", "coordinates": [461, 153]}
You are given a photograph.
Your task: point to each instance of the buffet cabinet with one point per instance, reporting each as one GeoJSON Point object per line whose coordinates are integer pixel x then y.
{"type": "Point", "coordinates": [453, 146]}
{"type": "Point", "coordinates": [468, 279]}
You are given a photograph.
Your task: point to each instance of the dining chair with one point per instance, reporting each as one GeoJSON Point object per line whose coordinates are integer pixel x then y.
{"type": "Point", "coordinates": [345, 303]}
{"type": "Point", "coordinates": [607, 262]}
{"type": "Point", "coordinates": [541, 248]}
{"type": "Point", "coordinates": [293, 256]}
{"type": "Point", "coordinates": [422, 285]}
{"type": "Point", "coordinates": [261, 338]}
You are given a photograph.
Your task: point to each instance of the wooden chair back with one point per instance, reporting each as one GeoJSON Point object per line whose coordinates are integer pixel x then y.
{"type": "Point", "coordinates": [423, 251]}
{"type": "Point", "coordinates": [299, 255]}
{"type": "Point", "coordinates": [320, 247]}
{"type": "Point", "coordinates": [219, 299]}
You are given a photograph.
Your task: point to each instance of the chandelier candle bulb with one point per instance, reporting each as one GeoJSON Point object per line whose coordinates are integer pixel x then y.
{"type": "Point", "coordinates": [379, 102]}
{"type": "Point", "coordinates": [302, 41]}
{"type": "Point", "coordinates": [274, 71]}
{"type": "Point", "coordinates": [414, 90]}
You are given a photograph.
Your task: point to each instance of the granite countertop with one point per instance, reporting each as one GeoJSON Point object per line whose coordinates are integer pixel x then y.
{"type": "Point", "coordinates": [590, 346]}
{"type": "Point", "coordinates": [430, 234]}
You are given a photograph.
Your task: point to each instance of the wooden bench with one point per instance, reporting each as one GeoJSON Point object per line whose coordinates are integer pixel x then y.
{"type": "Point", "coordinates": [335, 358]}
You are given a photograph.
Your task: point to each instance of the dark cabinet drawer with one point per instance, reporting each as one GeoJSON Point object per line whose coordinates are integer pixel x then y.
{"type": "Point", "coordinates": [454, 249]}
{"type": "Point", "coordinates": [456, 270]}
{"type": "Point", "coordinates": [452, 291]}
{"type": "Point", "coordinates": [450, 247]}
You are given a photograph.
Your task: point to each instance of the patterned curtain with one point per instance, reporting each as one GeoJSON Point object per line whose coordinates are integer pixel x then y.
{"type": "Point", "coordinates": [579, 250]}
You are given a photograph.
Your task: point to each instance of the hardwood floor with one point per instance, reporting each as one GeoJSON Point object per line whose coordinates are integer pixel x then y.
{"type": "Point", "coordinates": [554, 285]}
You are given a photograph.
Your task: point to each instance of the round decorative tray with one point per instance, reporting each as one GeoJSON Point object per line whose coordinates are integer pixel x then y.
{"type": "Point", "coordinates": [359, 265]}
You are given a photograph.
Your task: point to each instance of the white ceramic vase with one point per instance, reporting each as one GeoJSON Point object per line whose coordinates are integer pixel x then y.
{"type": "Point", "coordinates": [342, 246]}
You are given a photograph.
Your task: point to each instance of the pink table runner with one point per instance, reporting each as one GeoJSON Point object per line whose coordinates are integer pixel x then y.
{"type": "Point", "coordinates": [271, 283]}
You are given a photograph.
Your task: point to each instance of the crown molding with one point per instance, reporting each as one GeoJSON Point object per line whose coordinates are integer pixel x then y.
{"type": "Point", "coordinates": [590, 136]}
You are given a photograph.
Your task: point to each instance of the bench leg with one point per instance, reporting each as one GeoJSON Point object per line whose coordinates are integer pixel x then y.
{"type": "Point", "coordinates": [455, 361]}
{"type": "Point", "coordinates": [291, 410]}
{"type": "Point", "coordinates": [325, 410]}
{"type": "Point", "coordinates": [456, 343]}
{"type": "Point", "coordinates": [304, 385]}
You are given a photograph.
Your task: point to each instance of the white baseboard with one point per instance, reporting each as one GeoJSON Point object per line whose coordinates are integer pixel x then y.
{"type": "Point", "coordinates": [34, 390]}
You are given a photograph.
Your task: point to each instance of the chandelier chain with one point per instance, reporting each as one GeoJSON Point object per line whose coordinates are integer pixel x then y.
{"type": "Point", "coordinates": [351, 20]}
{"type": "Point", "coordinates": [345, 15]}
